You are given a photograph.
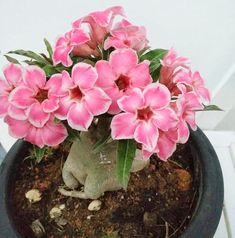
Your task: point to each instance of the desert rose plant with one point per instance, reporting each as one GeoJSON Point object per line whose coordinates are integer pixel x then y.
{"type": "Point", "coordinates": [105, 91]}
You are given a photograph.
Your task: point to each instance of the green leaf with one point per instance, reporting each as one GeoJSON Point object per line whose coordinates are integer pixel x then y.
{"type": "Point", "coordinates": [30, 54]}
{"type": "Point", "coordinates": [125, 155]}
{"type": "Point", "coordinates": [49, 48]}
{"type": "Point", "coordinates": [156, 54]}
{"type": "Point", "coordinates": [211, 108]}
{"type": "Point", "coordinates": [11, 59]}
{"type": "Point", "coordinates": [50, 70]}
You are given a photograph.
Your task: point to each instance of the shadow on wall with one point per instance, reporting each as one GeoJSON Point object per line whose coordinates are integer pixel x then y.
{"type": "Point", "coordinates": [2, 153]}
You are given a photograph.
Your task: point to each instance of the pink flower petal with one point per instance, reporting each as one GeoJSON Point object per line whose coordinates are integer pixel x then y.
{"type": "Point", "coordinates": [34, 77]}
{"type": "Point", "coordinates": [183, 132]}
{"type": "Point", "coordinates": [106, 76]}
{"type": "Point", "coordinates": [64, 105]}
{"type": "Point", "coordinates": [165, 119]}
{"type": "Point", "coordinates": [189, 117]}
{"type": "Point", "coordinates": [192, 101]}
{"type": "Point", "coordinates": [17, 128]}
{"type": "Point", "coordinates": [79, 36]}
{"type": "Point", "coordinates": [166, 146]}
{"type": "Point", "coordinates": [36, 116]}
{"type": "Point", "coordinates": [61, 55]}
{"type": "Point", "coordinates": [157, 96]}
{"type": "Point", "coordinates": [22, 97]}
{"type": "Point", "coordinates": [114, 94]}
{"type": "Point", "coordinates": [5, 88]}
{"type": "Point", "coordinates": [13, 74]}
{"type": "Point", "coordinates": [53, 133]}
{"type": "Point", "coordinates": [140, 76]}
{"type": "Point", "coordinates": [84, 75]}
{"type": "Point", "coordinates": [3, 105]}
{"type": "Point", "coordinates": [146, 133]}
{"type": "Point", "coordinates": [122, 61]}
{"type": "Point", "coordinates": [34, 136]}
{"type": "Point", "coordinates": [132, 101]}
{"type": "Point", "coordinates": [51, 104]}
{"type": "Point", "coordinates": [16, 113]}
{"type": "Point", "coordinates": [123, 126]}
{"type": "Point", "coordinates": [79, 117]}
{"type": "Point", "coordinates": [97, 101]}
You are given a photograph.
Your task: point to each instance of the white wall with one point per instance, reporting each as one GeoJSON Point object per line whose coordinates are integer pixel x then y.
{"type": "Point", "coordinates": [203, 30]}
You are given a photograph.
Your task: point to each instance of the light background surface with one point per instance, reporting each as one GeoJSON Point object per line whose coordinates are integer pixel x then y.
{"type": "Point", "coordinates": [203, 30]}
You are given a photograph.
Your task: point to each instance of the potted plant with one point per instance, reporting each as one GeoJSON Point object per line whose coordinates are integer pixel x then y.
{"type": "Point", "coordinates": [115, 106]}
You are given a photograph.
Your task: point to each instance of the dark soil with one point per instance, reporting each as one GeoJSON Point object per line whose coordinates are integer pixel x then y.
{"type": "Point", "coordinates": [159, 201]}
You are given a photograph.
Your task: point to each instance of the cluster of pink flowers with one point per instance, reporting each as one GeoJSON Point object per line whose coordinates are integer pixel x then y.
{"type": "Point", "coordinates": [155, 114]}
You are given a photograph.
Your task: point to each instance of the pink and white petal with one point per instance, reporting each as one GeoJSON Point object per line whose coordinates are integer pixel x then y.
{"type": "Point", "coordinates": [140, 76]}
{"type": "Point", "coordinates": [147, 133]}
{"type": "Point", "coordinates": [5, 88]}
{"type": "Point", "coordinates": [183, 132]}
{"type": "Point", "coordinates": [79, 36]}
{"type": "Point", "coordinates": [17, 128]}
{"type": "Point", "coordinates": [123, 126]}
{"type": "Point", "coordinates": [189, 117]}
{"type": "Point", "coordinates": [204, 93]}
{"type": "Point", "coordinates": [3, 105]}
{"type": "Point", "coordinates": [192, 101]}
{"type": "Point", "coordinates": [61, 55]}
{"type": "Point", "coordinates": [13, 74]}
{"type": "Point", "coordinates": [114, 42]}
{"type": "Point", "coordinates": [22, 97]}
{"type": "Point", "coordinates": [114, 94]}
{"type": "Point", "coordinates": [50, 105]}
{"type": "Point", "coordinates": [34, 77]}
{"type": "Point", "coordinates": [16, 113]}
{"type": "Point", "coordinates": [157, 96]}
{"type": "Point", "coordinates": [142, 154]}
{"type": "Point", "coordinates": [165, 119]}
{"type": "Point", "coordinates": [79, 118]}
{"type": "Point", "coordinates": [97, 101]}
{"type": "Point", "coordinates": [84, 75]}
{"type": "Point", "coordinates": [36, 116]}
{"type": "Point", "coordinates": [34, 136]}
{"type": "Point", "coordinates": [166, 147]}
{"type": "Point", "coordinates": [131, 102]}
{"type": "Point", "coordinates": [53, 133]}
{"type": "Point", "coordinates": [123, 60]}
{"type": "Point", "coordinates": [106, 76]}
{"type": "Point", "coordinates": [64, 104]}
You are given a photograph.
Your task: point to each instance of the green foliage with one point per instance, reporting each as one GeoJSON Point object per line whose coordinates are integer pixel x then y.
{"type": "Point", "coordinates": [30, 54]}
{"type": "Point", "coordinates": [211, 108]}
{"type": "Point", "coordinates": [125, 155]}
{"type": "Point", "coordinates": [11, 59]}
{"type": "Point", "coordinates": [49, 48]}
{"type": "Point", "coordinates": [37, 154]}
{"type": "Point", "coordinates": [154, 56]}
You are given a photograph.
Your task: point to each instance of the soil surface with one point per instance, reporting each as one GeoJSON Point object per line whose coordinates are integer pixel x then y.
{"type": "Point", "coordinates": [159, 201]}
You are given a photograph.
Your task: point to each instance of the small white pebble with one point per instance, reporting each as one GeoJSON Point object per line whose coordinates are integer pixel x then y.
{"type": "Point", "coordinates": [149, 176]}
{"type": "Point", "coordinates": [149, 199]}
{"type": "Point", "coordinates": [156, 194]}
{"type": "Point", "coordinates": [33, 195]}
{"type": "Point", "coordinates": [62, 206]}
{"type": "Point", "coordinates": [55, 212]}
{"type": "Point", "coordinates": [122, 197]}
{"type": "Point", "coordinates": [89, 217]}
{"type": "Point", "coordinates": [95, 205]}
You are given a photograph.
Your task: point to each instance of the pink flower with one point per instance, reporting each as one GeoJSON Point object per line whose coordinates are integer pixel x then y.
{"type": "Point", "coordinates": [144, 114]}
{"type": "Point", "coordinates": [51, 133]}
{"type": "Point", "coordinates": [79, 99]}
{"type": "Point", "coordinates": [121, 74]}
{"type": "Point", "coordinates": [13, 76]}
{"type": "Point", "coordinates": [193, 82]}
{"type": "Point", "coordinates": [33, 96]}
{"type": "Point", "coordinates": [171, 64]}
{"type": "Point", "coordinates": [66, 44]}
{"type": "Point", "coordinates": [126, 35]}
{"type": "Point", "coordinates": [186, 106]}
{"type": "Point", "coordinates": [100, 22]}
